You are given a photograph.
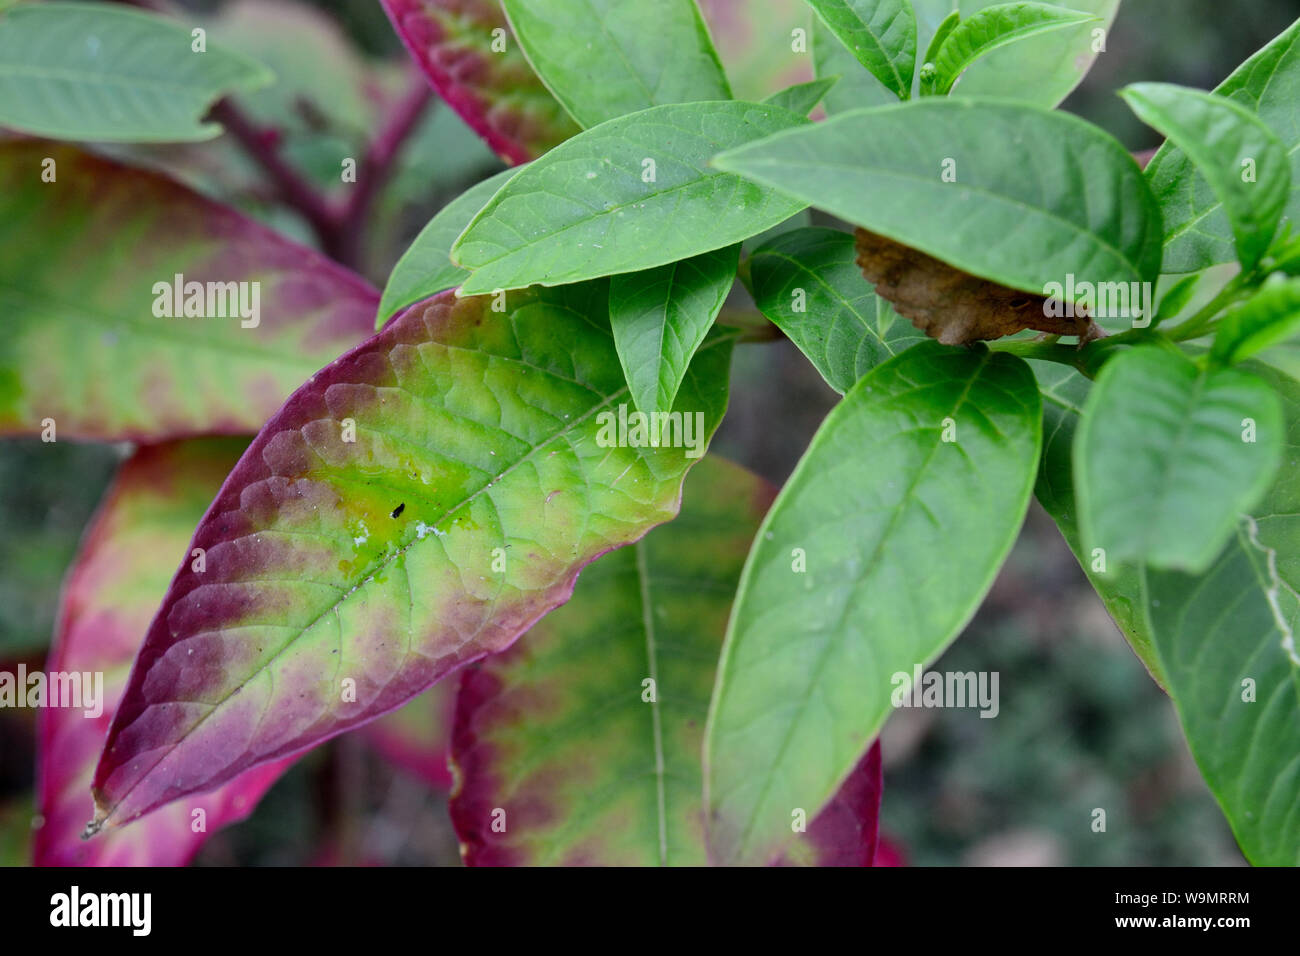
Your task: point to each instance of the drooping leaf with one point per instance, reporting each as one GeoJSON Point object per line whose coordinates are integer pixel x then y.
{"type": "Point", "coordinates": [416, 505]}
{"type": "Point", "coordinates": [1198, 230]}
{"type": "Point", "coordinates": [1168, 456]}
{"type": "Point", "coordinates": [807, 282]}
{"type": "Point", "coordinates": [584, 739]}
{"type": "Point", "coordinates": [763, 46]}
{"type": "Point", "coordinates": [1242, 159]}
{"type": "Point", "coordinates": [88, 267]}
{"type": "Point", "coordinates": [606, 58]}
{"type": "Point", "coordinates": [1268, 318]}
{"type": "Point", "coordinates": [465, 49]}
{"type": "Point", "coordinates": [802, 98]}
{"type": "Point", "coordinates": [1040, 70]}
{"type": "Point", "coordinates": [100, 72]}
{"type": "Point", "coordinates": [417, 736]}
{"type": "Point", "coordinates": [660, 316]}
{"type": "Point", "coordinates": [1074, 204]}
{"type": "Point", "coordinates": [426, 267]}
{"type": "Point", "coordinates": [1121, 587]}
{"type": "Point", "coordinates": [875, 554]}
{"type": "Point", "coordinates": [988, 30]}
{"type": "Point", "coordinates": [122, 570]}
{"type": "Point", "coordinates": [881, 34]}
{"type": "Point", "coordinates": [633, 193]}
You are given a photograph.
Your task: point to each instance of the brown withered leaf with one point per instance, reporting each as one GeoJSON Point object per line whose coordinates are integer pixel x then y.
{"type": "Point", "coordinates": [952, 306]}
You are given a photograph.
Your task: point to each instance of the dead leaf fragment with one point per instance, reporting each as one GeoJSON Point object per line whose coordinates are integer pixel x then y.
{"type": "Point", "coordinates": [952, 306]}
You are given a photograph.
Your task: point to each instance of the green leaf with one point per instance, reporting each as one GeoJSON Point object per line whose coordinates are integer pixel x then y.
{"type": "Point", "coordinates": [93, 339]}
{"type": "Point", "coordinates": [660, 316]}
{"type": "Point", "coordinates": [590, 764]}
{"type": "Point", "coordinates": [881, 34]}
{"type": "Point", "coordinates": [99, 72]}
{"type": "Point", "coordinates": [856, 87]}
{"type": "Point", "coordinates": [1241, 158]}
{"type": "Point", "coordinates": [606, 58]}
{"type": "Point", "coordinates": [802, 97]}
{"type": "Point", "coordinates": [426, 267]}
{"type": "Point", "coordinates": [1075, 203]}
{"type": "Point", "coordinates": [415, 506]}
{"type": "Point", "coordinates": [1040, 70]}
{"type": "Point", "coordinates": [945, 27]}
{"type": "Point", "coordinates": [876, 553]}
{"type": "Point", "coordinates": [1122, 588]}
{"type": "Point", "coordinates": [808, 283]}
{"type": "Point", "coordinates": [632, 193]}
{"type": "Point", "coordinates": [1169, 456]}
{"type": "Point", "coordinates": [1176, 299]}
{"type": "Point", "coordinates": [1268, 318]}
{"type": "Point", "coordinates": [1199, 232]}
{"type": "Point", "coordinates": [1227, 641]}
{"type": "Point", "coordinates": [986, 31]}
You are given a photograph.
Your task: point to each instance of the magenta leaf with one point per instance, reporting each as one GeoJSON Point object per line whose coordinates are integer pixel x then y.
{"type": "Point", "coordinates": [124, 564]}
{"type": "Point", "coordinates": [92, 341]}
{"type": "Point", "coordinates": [470, 56]}
{"type": "Point", "coordinates": [418, 504]}
{"type": "Point", "coordinates": [581, 745]}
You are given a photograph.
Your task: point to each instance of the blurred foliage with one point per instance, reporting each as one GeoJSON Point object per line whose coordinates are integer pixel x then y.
{"type": "Point", "coordinates": [1081, 725]}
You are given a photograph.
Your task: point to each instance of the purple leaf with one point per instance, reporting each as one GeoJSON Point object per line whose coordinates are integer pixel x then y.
{"type": "Point", "coordinates": [123, 567]}
{"type": "Point", "coordinates": [418, 504]}
{"type": "Point", "coordinates": [482, 73]}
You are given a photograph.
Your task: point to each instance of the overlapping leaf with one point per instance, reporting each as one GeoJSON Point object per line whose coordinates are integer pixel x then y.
{"type": "Point", "coordinates": [988, 30]}
{"type": "Point", "coordinates": [581, 744]}
{"type": "Point", "coordinates": [802, 98]}
{"type": "Point", "coordinates": [808, 283]}
{"type": "Point", "coordinates": [660, 316]}
{"type": "Point", "coordinates": [101, 72]}
{"type": "Point", "coordinates": [605, 58]}
{"type": "Point", "coordinates": [633, 193]}
{"type": "Point", "coordinates": [126, 559]}
{"type": "Point", "coordinates": [84, 343]}
{"type": "Point", "coordinates": [426, 267]}
{"type": "Point", "coordinates": [952, 178]}
{"type": "Point", "coordinates": [881, 35]}
{"type": "Point", "coordinates": [1243, 161]}
{"type": "Point", "coordinates": [1168, 457]}
{"type": "Point", "coordinates": [875, 554]}
{"type": "Point", "coordinates": [1198, 229]}
{"type": "Point", "coordinates": [1040, 70]}
{"type": "Point", "coordinates": [415, 506]}
{"type": "Point", "coordinates": [1269, 317]}
{"type": "Point", "coordinates": [492, 87]}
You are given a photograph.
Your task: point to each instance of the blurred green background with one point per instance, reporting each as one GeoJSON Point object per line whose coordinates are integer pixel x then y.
{"type": "Point", "coordinates": [1081, 725]}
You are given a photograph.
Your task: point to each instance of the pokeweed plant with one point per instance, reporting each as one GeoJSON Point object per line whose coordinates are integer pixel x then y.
{"type": "Point", "coordinates": [1020, 310]}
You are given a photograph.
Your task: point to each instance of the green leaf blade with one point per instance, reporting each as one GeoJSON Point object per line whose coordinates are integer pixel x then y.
{"type": "Point", "coordinates": [1268, 318]}
{"type": "Point", "coordinates": [1011, 215]}
{"type": "Point", "coordinates": [808, 283]}
{"type": "Point", "coordinates": [881, 35]}
{"type": "Point", "coordinates": [1242, 159]}
{"type": "Point", "coordinates": [660, 317]}
{"type": "Point", "coordinates": [614, 199]}
{"type": "Point", "coordinates": [103, 73]}
{"type": "Point", "coordinates": [1200, 233]}
{"type": "Point", "coordinates": [901, 533]}
{"type": "Point", "coordinates": [629, 56]}
{"type": "Point", "coordinates": [989, 29]}
{"type": "Point", "coordinates": [802, 98]}
{"type": "Point", "coordinates": [1164, 483]}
